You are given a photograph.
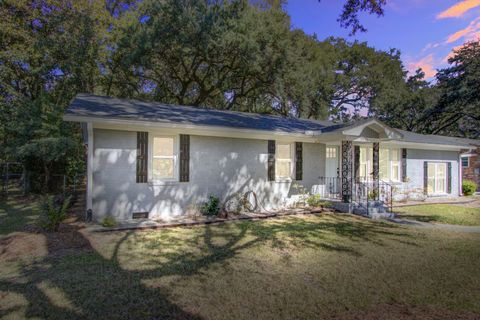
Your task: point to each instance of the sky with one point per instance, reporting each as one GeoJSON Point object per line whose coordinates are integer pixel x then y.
{"type": "Point", "coordinates": [425, 31]}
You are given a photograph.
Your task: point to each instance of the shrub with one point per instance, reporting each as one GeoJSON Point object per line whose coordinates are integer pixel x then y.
{"type": "Point", "coordinates": [316, 201]}
{"type": "Point", "coordinates": [54, 212]}
{"type": "Point", "coordinates": [469, 187]}
{"type": "Point", "coordinates": [372, 195]}
{"type": "Point", "coordinates": [109, 222]}
{"type": "Point", "coordinates": [211, 207]}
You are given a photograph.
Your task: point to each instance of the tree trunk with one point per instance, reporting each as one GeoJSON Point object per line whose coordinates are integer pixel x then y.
{"type": "Point", "coordinates": [47, 177]}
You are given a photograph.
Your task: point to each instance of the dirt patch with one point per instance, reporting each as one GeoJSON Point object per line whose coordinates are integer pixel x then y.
{"type": "Point", "coordinates": [33, 241]}
{"type": "Point", "coordinates": [21, 245]}
{"type": "Point", "coordinates": [404, 312]}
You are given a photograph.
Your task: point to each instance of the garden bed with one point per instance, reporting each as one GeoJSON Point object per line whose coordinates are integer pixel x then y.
{"type": "Point", "coordinates": [136, 224]}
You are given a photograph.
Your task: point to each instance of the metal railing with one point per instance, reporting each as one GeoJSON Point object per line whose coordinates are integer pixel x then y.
{"type": "Point", "coordinates": [328, 188]}
{"type": "Point", "coordinates": [365, 190]}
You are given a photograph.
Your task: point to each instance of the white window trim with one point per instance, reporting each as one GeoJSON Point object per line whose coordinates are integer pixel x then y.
{"type": "Point", "coordinates": [436, 193]}
{"type": "Point", "coordinates": [368, 163]}
{"type": "Point", "coordinates": [390, 165]}
{"type": "Point", "coordinates": [468, 161]}
{"type": "Point", "coordinates": [176, 152]}
{"type": "Point", "coordinates": [292, 162]}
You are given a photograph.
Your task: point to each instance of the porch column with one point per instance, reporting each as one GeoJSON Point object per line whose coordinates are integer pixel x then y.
{"type": "Point", "coordinates": [376, 168]}
{"type": "Point", "coordinates": [347, 171]}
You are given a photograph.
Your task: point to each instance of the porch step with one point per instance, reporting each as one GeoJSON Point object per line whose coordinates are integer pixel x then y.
{"type": "Point", "coordinates": [375, 210]}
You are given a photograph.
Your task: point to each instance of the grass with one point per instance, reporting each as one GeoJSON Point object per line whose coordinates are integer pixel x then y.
{"type": "Point", "coordinates": [294, 267]}
{"type": "Point", "coordinates": [15, 214]}
{"type": "Point", "coordinates": [442, 213]}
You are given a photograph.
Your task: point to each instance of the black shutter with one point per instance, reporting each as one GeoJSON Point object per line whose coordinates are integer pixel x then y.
{"type": "Point", "coordinates": [298, 161]}
{"type": "Point", "coordinates": [271, 160]}
{"type": "Point", "coordinates": [356, 161]}
{"type": "Point", "coordinates": [425, 177]}
{"type": "Point", "coordinates": [142, 157]}
{"type": "Point", "coordinates": [184, 158]}
{"type": "Point", "coordinates": [404, 165]}
{"type": "Point", "coordinates": [449, 178]}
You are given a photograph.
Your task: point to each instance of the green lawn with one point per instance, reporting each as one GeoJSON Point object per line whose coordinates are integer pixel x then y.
{"type": "Point", "coordinates": [304, 267]}
{"type": "Point", "coordinates": [442, 213]}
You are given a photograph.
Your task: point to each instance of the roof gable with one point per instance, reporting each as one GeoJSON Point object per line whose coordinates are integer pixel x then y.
{"type": "Point", "coordinates": [372, 128]}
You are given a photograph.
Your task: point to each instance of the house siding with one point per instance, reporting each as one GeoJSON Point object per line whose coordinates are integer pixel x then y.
{"type": "Point", "coordinates": [415, 160]}
{"type": "Point", "coordinates": [218, 166]}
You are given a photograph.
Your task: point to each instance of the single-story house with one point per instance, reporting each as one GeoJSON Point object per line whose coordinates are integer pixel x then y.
{"type": "Point", "coordinates": [159, 160]}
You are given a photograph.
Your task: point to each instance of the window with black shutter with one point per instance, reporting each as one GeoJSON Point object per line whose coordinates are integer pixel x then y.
{"type": "Point", "coordinates": [271, 160]}
{"type": "Point", "coordinates": [142, 157]}
{"type": "Point", "coordinates": [404, 165]}
{"type": "Point", "coordinates": [449, 177]}
{"type": "Point", "coordinates": [425, 177]}
{"type": "Point", "coordinates": [184, 158]}
{"type": "Point", "coordinates": [298, 161]}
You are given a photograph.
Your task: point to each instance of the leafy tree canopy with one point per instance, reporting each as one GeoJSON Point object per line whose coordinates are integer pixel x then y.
{"type": "Point", "coordinates": [231, 55]}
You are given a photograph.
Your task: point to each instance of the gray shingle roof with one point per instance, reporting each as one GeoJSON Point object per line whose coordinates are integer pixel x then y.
{"type": "Point", "coordinates": [436, 139]}
{"type": "Point", "coordinates": [87, 105]}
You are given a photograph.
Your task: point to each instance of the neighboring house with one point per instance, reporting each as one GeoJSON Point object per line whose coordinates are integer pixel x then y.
{"type": "Point", "coordinates": [471, 166]}
{"type": "Point", "coordinates": [147, 158]}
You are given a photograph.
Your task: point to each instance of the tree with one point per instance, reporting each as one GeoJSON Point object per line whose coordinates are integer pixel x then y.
{"type": "Point", "coordinates": [49, 50]}
{"type": "Point", "coordinates": [363, 77]}
{"type": "Point", "coordinates": [459, 107]}
{"type": "Point", "coordinates": [349, 17]}
{"type": "Point", "coordinates": [409, 105]}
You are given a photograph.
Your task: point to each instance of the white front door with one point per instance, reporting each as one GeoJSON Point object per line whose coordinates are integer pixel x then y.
{"type": "Point", "coordinates": [331, 163]}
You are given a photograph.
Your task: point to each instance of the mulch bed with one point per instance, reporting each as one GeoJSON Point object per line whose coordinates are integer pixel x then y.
{"type": "Point", "coordinates": [207, 221]}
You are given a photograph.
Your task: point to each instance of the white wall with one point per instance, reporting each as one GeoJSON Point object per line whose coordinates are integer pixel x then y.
{"type": "Point", "coordinates": [219, 166]}
{"type": "Point", "coordinates": [415, 161]}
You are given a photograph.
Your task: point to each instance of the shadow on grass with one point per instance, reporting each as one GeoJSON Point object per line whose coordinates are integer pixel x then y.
{"type": "Point", "coordinates": [16, 212]}
{"type": "Point", "coordinates": [93, 286]}
{"type": "Point", "coordinates": [421, 218]}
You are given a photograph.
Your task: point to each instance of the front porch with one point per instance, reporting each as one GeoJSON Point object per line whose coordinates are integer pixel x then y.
{"type": "Point", "coordinates": [365, 169]}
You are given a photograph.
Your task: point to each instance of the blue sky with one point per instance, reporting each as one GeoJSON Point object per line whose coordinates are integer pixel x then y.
{"type": "Point", "coordinates": [425, 31]}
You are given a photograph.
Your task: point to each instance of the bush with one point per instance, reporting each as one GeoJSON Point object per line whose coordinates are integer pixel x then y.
{"type": "Point", "coordinates": [316, 201]}
{"type": "Point", "coordinates": [469, 187]}
{"type": "Point", "coordinates": [109, 222]}
{"type": "Point", "coordinates": [211, 207]}
{"type": "Point", "coordinates": [54, 212]}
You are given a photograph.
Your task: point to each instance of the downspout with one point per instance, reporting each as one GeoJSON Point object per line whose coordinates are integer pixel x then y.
{"type": "Point", "coordinates": [89, 167]}
{"type": "Point", "coordinates": [460, 174]}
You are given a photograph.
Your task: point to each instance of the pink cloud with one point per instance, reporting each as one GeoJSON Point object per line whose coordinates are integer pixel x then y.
{"type": "Point", "coordinates": [471, 32]}
{"type": "Point", "coordinates": [459, 9]}
{"type": "Point", "coordinates": [452, 53]}
{"type": "Point", "coordinates": [426, 64]}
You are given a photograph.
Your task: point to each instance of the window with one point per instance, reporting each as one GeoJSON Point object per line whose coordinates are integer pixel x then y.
{"type": "Point", "coordinates": [283, 161]}
{"type": "Point", "coordinates": [163, 158]}
{"type": "Point", "coordinates": [465, 162]}
{"type": "Point", "coordinates": [394, 164]}
{"type": "Point", "coordinates": [437, 178]}
{"type": "Point", "coordinates": [366, 163]}
{"type": "Point", "coordinates": [389, 164]}
{"type": "Point", "coordinates": [331, 152]}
